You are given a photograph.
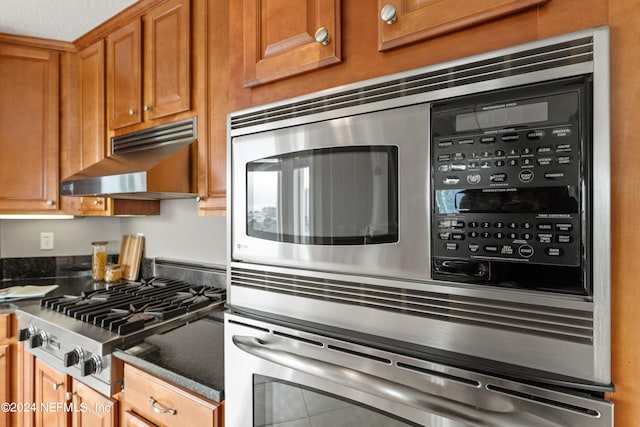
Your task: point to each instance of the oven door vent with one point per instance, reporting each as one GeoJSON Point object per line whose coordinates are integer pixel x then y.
{"type": "Point", "coordinates": [570, 325]}
{"type": "Point", "coordinates": [565, 55]}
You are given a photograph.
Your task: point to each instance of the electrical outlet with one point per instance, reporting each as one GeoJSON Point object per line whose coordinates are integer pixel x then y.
{"type": "Point", "coordinates": [46, 240]}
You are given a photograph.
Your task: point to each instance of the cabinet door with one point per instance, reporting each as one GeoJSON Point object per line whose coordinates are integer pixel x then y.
{"type": "Point", "coordinates": [29, 84]}
{"type": "Point", "coordinates": [5, 383]}
{"type": "Point", "coordinates": [408, 21]}
{"type": "Point", "coordinates": [280, 38]}
{"type": "Point", "coordinates": [124, 75]}
{"type": "Point", "coordinates": [91, 104]}
{"type": "Point", "coordinates": [167, 65]}
{"type": "Point", "coordinates": [131, 419]}
{"type": "Point", "coordinates": [50, 389]}
{"type": "Point", "coordinates": [92, 409]}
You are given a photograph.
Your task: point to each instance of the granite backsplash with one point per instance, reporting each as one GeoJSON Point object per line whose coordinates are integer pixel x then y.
{"type": "Point", "coordinates": [59, 266]}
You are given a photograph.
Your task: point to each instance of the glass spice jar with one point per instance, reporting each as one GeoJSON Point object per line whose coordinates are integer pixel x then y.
{"type": "Point", "coordinates": [98, 260]}
{"type": "Point", "coordinates": [112, 273]}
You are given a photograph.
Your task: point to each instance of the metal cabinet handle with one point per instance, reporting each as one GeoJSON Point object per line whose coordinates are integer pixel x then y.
{"type": "Point", "coordinates": [50, 203]}
{"type": "Point", "coordinates": [146, 107]}
{"type": "Point", "coordinates": [389, 13]}
{"type": "Point", "coordinates": [158, 408]}
{"type": "Point", "coordinates": [68, 396]}
{"type": "Point", "coordinates": [132, 112]}
{"type": "Point", "coordinates": [57, 386]}
{"type": "Point", "coordinates": [97, 201]}
{"type": "Point", "coordinates": [322, 36]}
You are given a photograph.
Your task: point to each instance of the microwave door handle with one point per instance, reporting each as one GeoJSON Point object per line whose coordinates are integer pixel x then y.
{"type": "Point", "coordinates": [399, 393]}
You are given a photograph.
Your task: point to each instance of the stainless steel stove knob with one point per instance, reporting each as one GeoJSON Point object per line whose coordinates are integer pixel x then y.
{"type": "Point", "coordinates": [73, 357]}
{"type": "Point", "coordinates": [26, 333]}
{"type": "Point", "coordinates": [38, 340]}
{"type": "Point", "coordinates": [92, 365]}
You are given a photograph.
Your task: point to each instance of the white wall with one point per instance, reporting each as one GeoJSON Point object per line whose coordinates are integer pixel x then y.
{"type": "Point", "coordinates": [177, 233]}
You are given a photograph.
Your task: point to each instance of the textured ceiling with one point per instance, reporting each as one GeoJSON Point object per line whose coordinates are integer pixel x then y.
{"type": "Point", "coordinates": [64, 20]}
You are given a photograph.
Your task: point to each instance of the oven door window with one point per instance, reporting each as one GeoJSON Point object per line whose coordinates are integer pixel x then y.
{"type": "Point", "coordinates": [280, 403]}
{"type": "Point", "coordinates": [329, 196]}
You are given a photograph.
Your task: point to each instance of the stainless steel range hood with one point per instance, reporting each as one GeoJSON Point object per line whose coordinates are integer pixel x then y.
{"type": "Point", "coordinates": [150, 164]}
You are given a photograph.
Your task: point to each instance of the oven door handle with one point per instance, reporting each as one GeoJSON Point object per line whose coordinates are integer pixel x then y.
{"type": "Point", "coordinates": [396, 392]}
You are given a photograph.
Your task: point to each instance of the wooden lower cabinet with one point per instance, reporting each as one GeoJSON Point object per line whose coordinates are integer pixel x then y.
{"type": "Point", "coordinates": [150, 401]}
{"type": "Point", "coordinates": [5, 384]}
{"type": "Point", "coordinates": [92, 409]}
{"type": "Point", "coordinates": [51, 389]}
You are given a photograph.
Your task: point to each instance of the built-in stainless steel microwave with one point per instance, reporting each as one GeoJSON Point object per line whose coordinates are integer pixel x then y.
{"type": "Point", "coordinates": [452, 207]}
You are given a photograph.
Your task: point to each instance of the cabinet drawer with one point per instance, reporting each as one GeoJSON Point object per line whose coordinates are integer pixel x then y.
{"type": "Point", "coordinates": [5, 325]}
{"type": "Point", "coordinates": [165, 404]}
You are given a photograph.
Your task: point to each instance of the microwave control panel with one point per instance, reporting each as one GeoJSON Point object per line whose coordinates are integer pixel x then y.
{"type": "Point", "coordinates": [508, 181]}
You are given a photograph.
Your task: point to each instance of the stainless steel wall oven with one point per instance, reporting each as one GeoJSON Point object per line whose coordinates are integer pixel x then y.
{"type": "Point", "coordinates": [458, 210]}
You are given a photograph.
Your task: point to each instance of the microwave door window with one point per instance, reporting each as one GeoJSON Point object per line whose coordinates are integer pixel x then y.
{"type": "Point", "coordinates": [333, 196]}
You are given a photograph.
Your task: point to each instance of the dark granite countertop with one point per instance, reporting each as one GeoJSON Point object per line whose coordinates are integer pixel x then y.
{"type": "Point", "coordinates": [191, 356]}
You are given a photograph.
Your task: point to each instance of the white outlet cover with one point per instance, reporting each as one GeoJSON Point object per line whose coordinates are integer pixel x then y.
{"type": "Point", "coordinates": [46, 240]}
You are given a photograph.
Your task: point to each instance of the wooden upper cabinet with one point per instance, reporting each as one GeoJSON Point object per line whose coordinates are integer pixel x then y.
{"type": "Point", "coordinates": [160, 87]}
{"type": "Point", "coordinates": [124, 75]}
{"type": "Point", "coordinates": [167, 88]}
{"type": "Point", "coordinates": [284, 38]}
{"type": "Point", "coordinates": [29, 132]}
{"type": "Point", "coordinates": [403, 22]}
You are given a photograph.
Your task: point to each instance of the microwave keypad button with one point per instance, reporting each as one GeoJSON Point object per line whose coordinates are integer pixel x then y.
{"type": "Point", "coordinates": [492, 249]}
{"type": "Point", "coordinates": [527, 225]}
{"type": "Point", "coordinates": [499, 225]}
{"type": "Point", "coordinates": [444, 236]}
{"type": "Point", "coordinates": [457, 236]}
{"type": "Point", "coordinates": [443, 168]}
{"type": "Point", "coordinates": [535, 134]}
{"type": "Point", "coordinates": [473, 234]}
{"type": "Point", "coordinates": [451, 246]}
{"type": "Point", "coordinates": [510, 137]}
{"type": "Point", "coordinates": [526, 236]}
{"type": "Point", "coordinates": [499, 235]}
{"type": "Point", "coordinates": [473, 165]}
{"type": "Point", "coordinates": [485, 235]}
{"type": "Point", "coordinates": [545, 238]}
{"type": "Point", "coordinates": [563, 147]}
{"type": "Point", "coordinates": [554, 175]}
{"type": "Point", "coordinates": [451, 180]}
{"type": "Point", "coordinates": [474, 155]}
{"type": "Point", "coordinates": [485, 165]}
{"type": "Point", "coordinates": [525, 251]}
{"type": "Point", "coordinates": [458, 167]}
{"type": "Point", "coordinates": [542, 150]}
{"type": "Point", "coordinates": [498, 177]}
{"type": "Point", "coordinates": [485, 154]}
{"type": "Point", "coordinates": [527, 162]}
{"type": "Point", "coordinates": [500, 153]}
{"type": "Point", "coordinates": [488, 139]}
{"type": "Point", "coordinates": [562, 226]}
{"type": "Point", "coordinates": [506, 250]}
{"type": "Point", "coordinates": [474, 247]}
{"type": "Point", "coordinates": [513, 162]}
{"type": "Point", "coordinates": [457, 224]}
{"type": "Point", "coordinates": [545, 161]}
{"type": "Point", "coordinates": [445, 144]}
{"type": "Point", "coordinates": [472, 224]}
{"type": "Point", "coordinates": [465, 141]}
{"type": "Point", "coordinates": [527, 150]}
{"type": "Point", "coordinates": [526, 176]}
{"type": "Point", "coordinates": [554, 252]}
{"type": "Point", "coordinates": [474, 178]}
{"type": "Point", "coordinates": [485, 224]}
{"type": "Point", "coordinates": [512, 225]}
{"type": "Point", "coordinates": [458, 156]}
{"type": "Point", "coordinates": [512, 236]}
{"type": "Point", "coordinates": [561, 132]}
{"type": "Point", "coordinates": [545, 226]}
{"type": "Point", "coordinates": [499, 163]}
{"type": "Point", "coordinates": [444, 223]}
{"type": "Point", "coordinates": [564, 160]}
{"type": "Point", "coordinates": [514, 152]}
{"type": "Point", "coordinates": [564, 238]}
{"type": "Point", "coordinates": [444, 158]}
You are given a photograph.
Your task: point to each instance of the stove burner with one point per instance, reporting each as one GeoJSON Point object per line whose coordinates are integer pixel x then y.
{"type": "Point", "coordinates": [131, 306]}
